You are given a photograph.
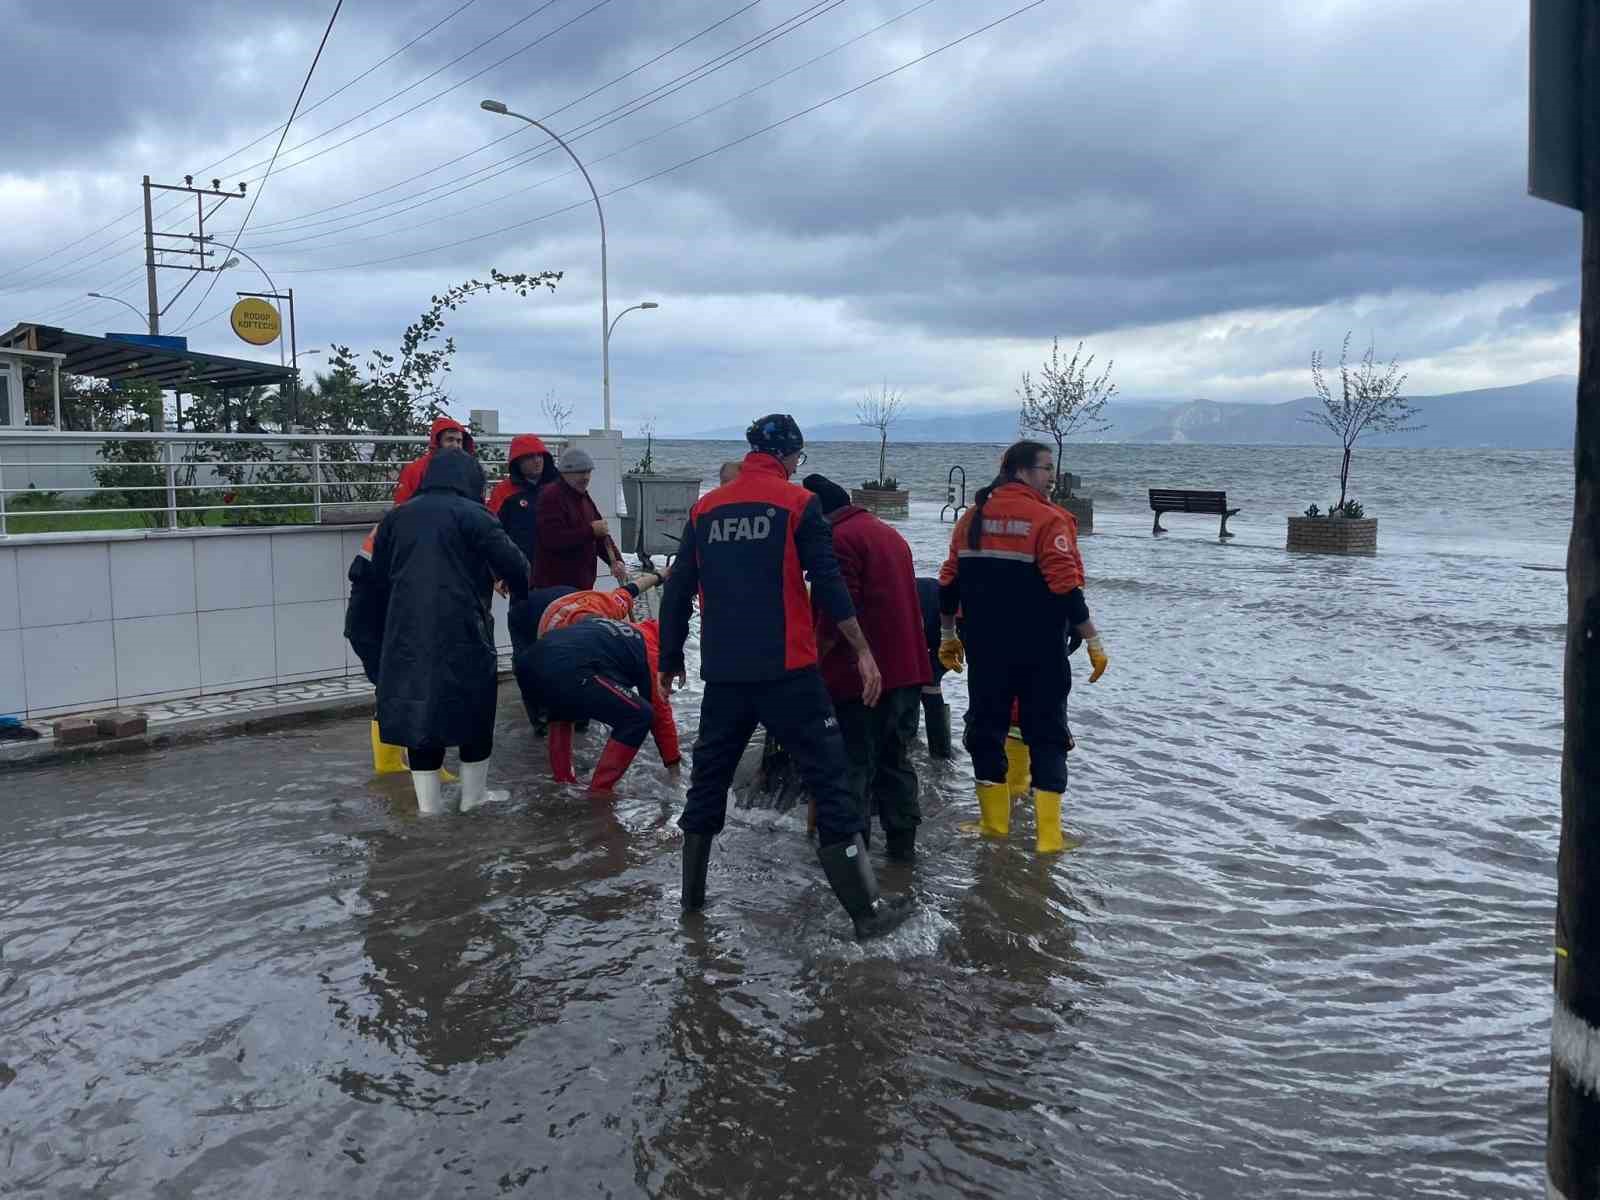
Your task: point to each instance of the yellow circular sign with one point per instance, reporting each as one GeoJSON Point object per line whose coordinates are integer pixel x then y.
{"type": "Point", "coordinates": [256, 321]}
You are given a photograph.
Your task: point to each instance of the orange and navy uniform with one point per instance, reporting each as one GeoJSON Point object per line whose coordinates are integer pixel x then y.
{"type": "Point", "coordinates": [1021, 576]}
{"type": "Point", "coordinates": [1015, 575]}
{"type": "Point", "coordinates": [567, 610]}
{"type": "Point", "coordinates": [747, 549]}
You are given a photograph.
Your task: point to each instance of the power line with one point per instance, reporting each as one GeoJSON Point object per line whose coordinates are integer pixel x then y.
{"type": "Point", "coordinates": [601, 158]}
{"type": "Point", "coordinates": [260, 187]}
{"type": "Point", "coordinates": [739, 141]}
{"type": "Point", "coordinates": [593, 125]}
{"type": "Point", "coordinates": [302, 217]}
{"type": "Point", "coordinates": [231, 154]}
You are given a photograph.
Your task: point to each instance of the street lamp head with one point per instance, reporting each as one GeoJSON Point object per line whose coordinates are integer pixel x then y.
{"type": "Point", "coordinates": [649, 304]}
{"type": "Point", "coordinates": [494, 106]}
{"type": "Point", "coordinates": [98, 296]}
{"type": "Point", "coordinates": [232, 262]}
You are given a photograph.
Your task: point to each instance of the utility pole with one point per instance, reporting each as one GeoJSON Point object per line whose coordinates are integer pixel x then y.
{"type": "Point", "coordinates": [151, 248]}
{"type": "Point", "coordinates": [150, 263]}
{"type": "Point", "coordinates": [1564, 166]}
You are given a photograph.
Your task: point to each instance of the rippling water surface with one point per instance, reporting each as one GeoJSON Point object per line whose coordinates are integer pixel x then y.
{"type": "Point", "coordinates": [1303, 950]}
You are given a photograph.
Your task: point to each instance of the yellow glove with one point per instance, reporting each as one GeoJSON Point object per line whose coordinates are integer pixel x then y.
{"type": "Point", "coordinates": [1098, 658]}
{"type": "Point", "coordinates": [952, 654]}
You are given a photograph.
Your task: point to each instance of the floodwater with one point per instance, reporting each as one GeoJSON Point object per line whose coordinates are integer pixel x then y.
{"type": "Point", "coordinates": [1304, 949]}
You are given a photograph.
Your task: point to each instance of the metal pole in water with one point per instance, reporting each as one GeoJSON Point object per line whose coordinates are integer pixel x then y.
{"type": "Point", "coordinates": [1572, 1152]}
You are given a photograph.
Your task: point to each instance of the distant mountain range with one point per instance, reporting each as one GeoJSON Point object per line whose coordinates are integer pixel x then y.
{"type": "Point", "coordinates": [1526, 416]}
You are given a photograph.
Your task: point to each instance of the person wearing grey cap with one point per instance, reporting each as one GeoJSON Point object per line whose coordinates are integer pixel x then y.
{"type": "Point", "coordinates": [572, 534]}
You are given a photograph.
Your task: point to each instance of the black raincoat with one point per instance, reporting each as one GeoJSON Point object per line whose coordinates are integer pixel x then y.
{"type": "Point", "coordinates": [434, 560]}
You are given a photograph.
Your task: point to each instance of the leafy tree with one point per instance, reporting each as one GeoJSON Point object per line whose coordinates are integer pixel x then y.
{"type": "Point", "coordinates": [1369, 398]}
{"type": "Point", "coordinates": [1065, 400]}
{"type": "Point", "coordinates": [879, 412]}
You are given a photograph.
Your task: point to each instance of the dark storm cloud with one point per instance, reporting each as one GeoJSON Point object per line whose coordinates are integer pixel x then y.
{"type": "Point", "coordinates": [1086, 169]}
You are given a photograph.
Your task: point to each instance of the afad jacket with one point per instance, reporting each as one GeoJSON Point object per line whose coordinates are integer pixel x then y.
{"type": "Point", "coordinates": [410, 481]}
{"type": "Point", "coordinates": [881, 577]}
{"type": "Point", "coordinates": [516, 501]}
{"type": "Point", "coordinates": [1016, 578]}
{"type": "Point", "coordinates": [747, 548]}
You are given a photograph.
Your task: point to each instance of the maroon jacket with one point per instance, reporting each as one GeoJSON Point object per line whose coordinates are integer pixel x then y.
{"type": "Point", "coordinates": [567, 548]}
{"type": "Point", "coordinates": [882, 579]}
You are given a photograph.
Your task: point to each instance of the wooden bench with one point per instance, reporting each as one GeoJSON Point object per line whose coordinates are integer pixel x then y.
{"type": "Point", "coordinates": [1185, 501]}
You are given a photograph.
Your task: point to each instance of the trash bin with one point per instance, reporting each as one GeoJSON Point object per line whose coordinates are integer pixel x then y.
{"type": "Point", "coordinates": [658, 507]}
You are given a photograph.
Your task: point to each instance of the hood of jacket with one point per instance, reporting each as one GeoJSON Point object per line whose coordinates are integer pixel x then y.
{"type": "Point", "coordinates": [523, 445]}
{"type": "Point", "coordinates": [441, 424]}
{"type": "Point", "coordinates": [454, 471]}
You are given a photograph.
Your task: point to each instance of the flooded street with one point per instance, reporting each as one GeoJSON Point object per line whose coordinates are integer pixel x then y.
{"type": "Point", "coordinates": [1304, 949]}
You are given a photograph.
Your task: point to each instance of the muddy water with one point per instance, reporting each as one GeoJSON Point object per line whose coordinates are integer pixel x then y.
{"type": "Point", "coordinates": [1303, 951]}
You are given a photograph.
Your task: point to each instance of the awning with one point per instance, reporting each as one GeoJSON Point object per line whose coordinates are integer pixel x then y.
{"type": "Point", "coordinates": [113, 360]}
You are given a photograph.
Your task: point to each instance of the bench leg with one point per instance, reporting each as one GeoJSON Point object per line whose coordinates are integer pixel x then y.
{"type": "Point", "coordinates": [1224, 531]}
{"type": "Point", "coordinates": [1157, 529]}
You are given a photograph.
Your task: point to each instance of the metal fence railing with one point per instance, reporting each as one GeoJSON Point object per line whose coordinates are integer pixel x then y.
{"type": "Point", "coordinates": [177, 480]}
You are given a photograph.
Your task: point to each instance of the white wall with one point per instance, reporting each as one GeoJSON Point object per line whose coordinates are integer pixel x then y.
{"type": "Point", "coordinates": [95, 620]}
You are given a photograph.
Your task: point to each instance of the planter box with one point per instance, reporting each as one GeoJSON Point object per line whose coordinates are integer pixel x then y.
{"type": "Point", "coordinates": [1081, 507]}
{"type": "Point", "coordinates": [1334, 535]}
{"type": "Point", "coordinates": [886, 504]}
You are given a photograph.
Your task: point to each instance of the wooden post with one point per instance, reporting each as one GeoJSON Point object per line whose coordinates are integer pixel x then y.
{"type": "Point", "coordinates": [1572, 1152]}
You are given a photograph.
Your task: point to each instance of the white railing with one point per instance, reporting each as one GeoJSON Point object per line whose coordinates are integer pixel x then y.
{"type": "Point", "coordinates": [171, 481]}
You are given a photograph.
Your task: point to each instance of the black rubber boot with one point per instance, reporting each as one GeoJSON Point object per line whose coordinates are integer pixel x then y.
{"type": "Point", "coordinates": [936, 725]}
{"type": "Point", "coordinates": [696, 859]}
{"type": "Point", "coordinates": [900, 845]}
{"type": "Point", "coordinates": [850, 875]}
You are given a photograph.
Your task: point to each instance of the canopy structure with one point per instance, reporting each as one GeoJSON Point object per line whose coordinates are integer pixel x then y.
{"type": "Point", "coordinates": [166, 363]}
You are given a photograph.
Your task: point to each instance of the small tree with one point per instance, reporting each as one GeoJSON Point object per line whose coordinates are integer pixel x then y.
{"type": "Point", "coordinates": [1065, 400]}
{"type": "Point", "coordinates": [879, 412]}
{"type": "Point", "coordinates": [557, 412]}
{"type": "Point", "coordinates": [1369, 398]}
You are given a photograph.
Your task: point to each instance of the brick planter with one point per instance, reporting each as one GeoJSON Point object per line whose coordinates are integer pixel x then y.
{"type": "Point", "coordinates": [1081, 507]}
{"type": "Point", "coordinates": [886, 504]}
{"type": "Point", "coordinates": [1334, 535]}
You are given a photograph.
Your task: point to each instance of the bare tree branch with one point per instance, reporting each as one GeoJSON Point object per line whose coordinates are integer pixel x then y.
{"type": "Point", "coordinates": [1065, 400]}
{"type": "Point", "coordinates": [556, 411]}
{"type": "Point", "coordinates": [879, 412]}
{"type": "Point", "coordinates": [1369, 399]}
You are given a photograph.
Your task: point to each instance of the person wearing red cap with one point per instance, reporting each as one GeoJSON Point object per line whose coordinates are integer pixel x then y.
{"type": "Point", "coordinates": [515, 499]}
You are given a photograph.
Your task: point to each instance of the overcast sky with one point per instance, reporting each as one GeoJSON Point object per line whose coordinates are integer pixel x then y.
{"type": "Point", "coordinates": [1203, 192]}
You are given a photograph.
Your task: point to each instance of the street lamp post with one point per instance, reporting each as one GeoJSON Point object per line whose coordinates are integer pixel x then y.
{"type": "Point", "coordinates": [613, 325]}
{"type": "Point", "coordinates": [144, 317]}
{"type": "Point", "coordinates": [498, 106]}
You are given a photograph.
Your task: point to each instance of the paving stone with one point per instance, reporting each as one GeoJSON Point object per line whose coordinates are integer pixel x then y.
{"type": "Point", "coordinates": [70, 731]}
{"type": "Point", "coordinates": [120, 724]}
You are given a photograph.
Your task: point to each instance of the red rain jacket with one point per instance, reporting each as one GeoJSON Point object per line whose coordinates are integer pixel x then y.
{"type": "Point", "coordinates": [411, 475]}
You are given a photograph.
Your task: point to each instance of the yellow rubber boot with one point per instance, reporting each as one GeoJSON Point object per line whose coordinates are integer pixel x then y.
{"type": "Point", "coordinates": [994, 809]}
{"type": "Point", "coordinates": [386, 759]}
{"type": "Point", "coordinates": [1047, 812]}
{"type": "Point", "coordinates": [1019, 767]}
{"type": "Point", "coordinates": [391, 760]}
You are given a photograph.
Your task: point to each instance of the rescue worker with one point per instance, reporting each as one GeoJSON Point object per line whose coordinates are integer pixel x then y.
{"type": "Point", "coordinates": [530, 469]}
{"type": "Point", "coordinates": [605, 670]}
{"type": "Point", "coordinates": [616, 604]}
{"type": "Point", "coordinates": [881, 578]}
{"type": "Point", "coordinates": [433, 560]}
{"type": "Point", "coordinates": [935, 712]}
{"type": "Point", "coordinates": [447, 434]}
{"type": "Point", "coordinates": [745, 549]}
{"type": "Point", "coordinates": [1015, 574]}
{"type": "Point", "coordinates": [571, 532]}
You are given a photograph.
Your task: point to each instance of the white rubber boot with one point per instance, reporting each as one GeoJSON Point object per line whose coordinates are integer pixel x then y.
{"type": "Point", "coordinates": [429, 801]}
{"type": "Point", "coordinates": [474, 786]}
